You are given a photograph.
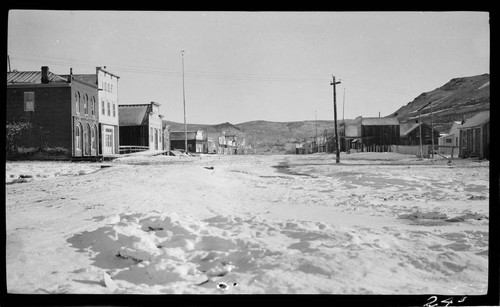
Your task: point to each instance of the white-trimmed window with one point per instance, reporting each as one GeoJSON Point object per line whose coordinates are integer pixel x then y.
{"type": "Point", "coordinates": [86, 104]}
{"type": "Point", "coordinates": [92, 138]}
{"type": "Point", "coordinates": [109, 109]}
{"type": "Point", "coordinates": [92, 106]}
{"type": "Point", "coordinates": [77, 136]}
{"type": "Point", "coordinates": [77, 102]}
{"type": "Point", "coordinates": [103, 107]}
{"type": "Point", "coordinates": [114, 110]}
{"type": "Point", "coordinates": [29, 101]}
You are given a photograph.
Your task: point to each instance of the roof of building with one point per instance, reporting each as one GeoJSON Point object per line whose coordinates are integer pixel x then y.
{"type": "Point", "coordinates": [87, 78]}
{"type": "Point", "coordinates": [107, 72]}
{"type": "Point", "coordinates": [133, 115]}
{"type": "Point", "coordinates": [35, 77]}
{"type": "Point", "coordinates": [476, 120]}
{"type": "Point", "coordinates": [180, 135]}
{"type": "Point", "coordinates": [379, 121]}
{"type": "Point", "coordinates": [406, 128]}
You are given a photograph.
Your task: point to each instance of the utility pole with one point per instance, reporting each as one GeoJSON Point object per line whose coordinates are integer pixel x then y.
{"type": "Point", "coordinates": [432, 132]}
{"type": "Point", "coordinates": [335, 118]}
{"type": "Point", "coordinates": [343, 107]}
{"type": "Point", "coordinates": [184, 104]}
{"type": "Point", "coordinates": [420, 131]}
{"type": "Point", "coordinates": [316, 140]}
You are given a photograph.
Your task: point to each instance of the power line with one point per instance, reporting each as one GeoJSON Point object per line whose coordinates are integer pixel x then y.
{"type": "Point", "coordinates": [312, 80]}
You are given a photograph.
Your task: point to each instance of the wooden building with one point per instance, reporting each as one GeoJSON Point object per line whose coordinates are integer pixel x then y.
{"type": "Point", "coordinates": [449, 142]}
{"type": "Point", "coordinates": [141, 127]}
{"type": "Point", "coordinates": [409, 134]}
{"type": "Point", "coordinates": [370, 134]}
{"type": "Point", "coordinates": [197, 141]}
{"type": "Point", "coordinates": [228, 143]}
{"type": "Point", "coordinates": [475, 136]}
{"type": "Point", "coordinates": [49, 116]}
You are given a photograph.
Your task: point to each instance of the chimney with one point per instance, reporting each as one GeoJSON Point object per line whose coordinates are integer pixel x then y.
{"type": "Point", "coordinates": [70, 77]}
{"type": "Point", "coordinates": [45, 74]}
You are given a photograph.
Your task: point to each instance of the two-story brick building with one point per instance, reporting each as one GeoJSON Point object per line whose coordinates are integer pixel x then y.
{"type": "Point", "coordinates": [50, 116]}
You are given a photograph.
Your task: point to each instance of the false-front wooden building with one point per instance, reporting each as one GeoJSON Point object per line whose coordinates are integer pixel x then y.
{"type": "Point", "coordinates": [141, 127]}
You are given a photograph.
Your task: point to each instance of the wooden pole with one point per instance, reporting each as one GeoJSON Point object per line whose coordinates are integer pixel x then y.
{"type": "Point", "coordinates": [337, 159]}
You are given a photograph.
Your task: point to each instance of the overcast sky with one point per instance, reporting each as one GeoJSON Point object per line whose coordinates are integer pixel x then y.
{"type": "Point", "coordinates": [245, 66]}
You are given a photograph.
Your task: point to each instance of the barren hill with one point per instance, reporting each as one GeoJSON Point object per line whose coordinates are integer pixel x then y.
{"type": "Point", "coordinates": [457, 99]}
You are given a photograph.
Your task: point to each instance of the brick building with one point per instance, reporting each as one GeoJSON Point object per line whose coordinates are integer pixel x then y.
{"type": "Point", "coordinates": [49, 116]}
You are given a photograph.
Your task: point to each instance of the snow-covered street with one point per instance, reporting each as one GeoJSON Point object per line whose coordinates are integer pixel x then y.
{"type": "Point", "coordinates": [378, 223]}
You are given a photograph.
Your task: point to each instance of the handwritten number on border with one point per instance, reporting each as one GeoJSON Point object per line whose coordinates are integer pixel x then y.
{"type": "Point", "coordinates": [433, 299]}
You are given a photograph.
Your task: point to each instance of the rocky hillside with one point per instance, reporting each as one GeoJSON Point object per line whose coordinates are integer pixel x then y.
{"type": "Point", "coordinates": [460, 98]}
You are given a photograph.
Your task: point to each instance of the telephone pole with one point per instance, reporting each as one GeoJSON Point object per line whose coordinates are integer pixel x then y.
{"type": "Point", "coordinates": [335, 118]}
{"type": "Point", "coordinates": [316, 123]}
{"type": "Point", "coordinates": [184, 104]}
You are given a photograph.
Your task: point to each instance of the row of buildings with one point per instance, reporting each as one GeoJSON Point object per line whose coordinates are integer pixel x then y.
{"type": "Point", "coordinates": [468, 138]}
{"type": "Point", "coordinates": [52, 115]}
{"type": "Point", "coordinates": [78, 116]}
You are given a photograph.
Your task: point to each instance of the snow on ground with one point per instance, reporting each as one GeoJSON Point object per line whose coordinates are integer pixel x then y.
{"type": "Point", "coordinates": [374, 223]}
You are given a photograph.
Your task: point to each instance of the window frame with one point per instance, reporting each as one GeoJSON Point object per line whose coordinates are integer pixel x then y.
{"type": "Point", "coordinates": [78, 135]}
{"type": "Point", "coordinates": [29, 105]}
{"type": "Point", "coordinates": [86, 104]}
{"type": "Point", "coordinates": [92, 108]}
{"type": "Point", "coordinates": [77, 100]}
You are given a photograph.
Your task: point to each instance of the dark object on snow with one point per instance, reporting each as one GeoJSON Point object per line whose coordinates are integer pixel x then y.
{"type": "Point", "coordinates": [209, 167]}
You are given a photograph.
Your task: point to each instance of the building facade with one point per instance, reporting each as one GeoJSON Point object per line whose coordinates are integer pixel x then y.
{"type": "Point", "coordinates": [475, 136]}
{"type": "Point", "coordinates": [50, 116]}
{"type": "Point", "coordinates": [141, 126]}
{"type": "Point", "coordinates": [410, 134]}
{"type": "Point", "coordinates": [108, 111]}
{"type": "Point", "coordinates": [370, 134]}
{"type": "Point", "coordinates": [197, 141]}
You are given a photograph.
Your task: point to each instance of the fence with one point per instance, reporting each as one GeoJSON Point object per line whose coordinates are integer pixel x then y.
{"type": "Point", "coordinates": [412, 150]}
{"type": "Point", "coordinates": [377, 148]}
{"type": "Point", "coordinates": [131, 149]}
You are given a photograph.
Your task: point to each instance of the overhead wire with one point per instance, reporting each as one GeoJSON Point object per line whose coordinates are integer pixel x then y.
{"type": "Point", "coordinates": [311, 80]}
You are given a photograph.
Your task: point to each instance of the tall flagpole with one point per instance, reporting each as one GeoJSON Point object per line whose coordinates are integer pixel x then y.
{"type": "Point", "coordinates": [184, 104]}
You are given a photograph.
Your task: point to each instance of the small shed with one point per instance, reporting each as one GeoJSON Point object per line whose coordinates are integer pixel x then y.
{"type": "Point", "coordinates": [475, 136]}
